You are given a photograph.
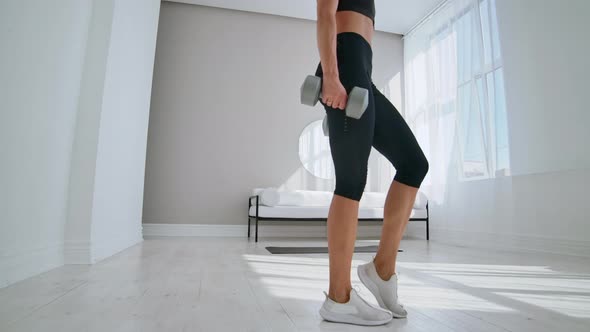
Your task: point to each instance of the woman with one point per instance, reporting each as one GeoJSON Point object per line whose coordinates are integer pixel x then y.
{"type": "Point", "coordinates": [344, 32]}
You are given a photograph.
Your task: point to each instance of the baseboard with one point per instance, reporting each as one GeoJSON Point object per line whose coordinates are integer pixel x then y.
{"type": "Point", "coordinates": [194, 230]}
{"type": "Point", "coordinates": [78, 252]}
{"type": "Point", "coordinates": [18, 266]}
{"type": "Point", "coordinates": [86, 252]}
{"type": "Point", "coordinates": [115, 245]}
{"type": "Point", "coordinates": [511, 242]}
{"type": "Point", "coordinates": [264, 230]}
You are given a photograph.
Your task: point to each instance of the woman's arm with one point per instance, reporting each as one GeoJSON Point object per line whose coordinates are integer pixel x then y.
{"type": "Point", "coordinates": [326, 31]}
{"type": "Point", "coordinates": [333, 93]}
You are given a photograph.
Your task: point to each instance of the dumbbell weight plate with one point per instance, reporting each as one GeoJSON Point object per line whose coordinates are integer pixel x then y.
{"type": "Point", "coordinates": [358, 101]}
{"type": "Point", "coordinates": [310, 90]}
{"type": "Point", "coordinates": [325, 126]}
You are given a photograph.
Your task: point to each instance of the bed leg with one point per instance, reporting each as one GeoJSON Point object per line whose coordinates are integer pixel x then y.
{"type": "Point", "coordinates": [427, 223]}
{"type": "Point", "coordinates": [257, 204]}
{"type": "Point", "coordinates": [249, 205]}
{"type": "Point", "coordinates": [256, 239]}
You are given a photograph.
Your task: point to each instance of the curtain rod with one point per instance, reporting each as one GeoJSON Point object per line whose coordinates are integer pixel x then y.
{"type": "Point", "coordinates": [426, 18]}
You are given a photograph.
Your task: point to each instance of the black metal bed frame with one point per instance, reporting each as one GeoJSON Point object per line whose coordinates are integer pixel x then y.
{"type": "Point", "coordinates": [257, 218]}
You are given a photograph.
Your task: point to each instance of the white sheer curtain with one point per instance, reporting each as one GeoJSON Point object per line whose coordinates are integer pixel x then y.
{"type": "Point", "coordinates": [455, 92]}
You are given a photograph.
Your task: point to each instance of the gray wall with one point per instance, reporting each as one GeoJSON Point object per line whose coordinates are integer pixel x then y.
{"type": "Point", "coordinates": [225, 113]}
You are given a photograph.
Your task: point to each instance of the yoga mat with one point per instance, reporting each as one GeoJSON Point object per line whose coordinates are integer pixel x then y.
{"type": "Point", "coordinates": [315, 250]}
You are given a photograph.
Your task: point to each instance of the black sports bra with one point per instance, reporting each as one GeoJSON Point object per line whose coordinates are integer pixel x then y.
{"type": "Point", "coordinates": [365, 7]}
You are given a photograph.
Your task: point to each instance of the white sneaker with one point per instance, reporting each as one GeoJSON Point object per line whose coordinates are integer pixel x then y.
{"type": "Point", "coordinates": [385, 291]}
{"type": "Point", "coordinates": [356, 311]}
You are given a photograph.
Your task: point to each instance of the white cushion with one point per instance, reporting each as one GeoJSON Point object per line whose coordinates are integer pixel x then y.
{"type": "Point", "coordinates": [256, 191]}
{"type": "Point", "coordinates": [421, 200]}
{"type": "Point", "coordinates": [418, 213]}
{"type": "Point", "coordinates": [315, 197]}
{"type": "Point", "coordinates": [373, 200]}
{"type": "Point", "coordinates": [274, 197]}
{"type": "Point", "coordinates": [269, 197]}
{"type": "Point", "coordinates": [318, 212]}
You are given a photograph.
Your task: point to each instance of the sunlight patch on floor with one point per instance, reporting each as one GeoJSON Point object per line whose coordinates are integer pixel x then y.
{"type": "Point", "coordinates": [514, 281]}
{"type": "Point", "coordinates": [475, 268]}
{"type": "Point", "coordinates": [565, 293]}
{"type": "Point", "coordinates": [304, 278]}
{"type": "Point", "coordinates": [570, 305]}
{"type": "Point", "coordinates": [432, 297]}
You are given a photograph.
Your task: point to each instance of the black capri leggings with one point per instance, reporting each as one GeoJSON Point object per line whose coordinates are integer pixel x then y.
{"type": "Point", "coordinates": [381, 126]}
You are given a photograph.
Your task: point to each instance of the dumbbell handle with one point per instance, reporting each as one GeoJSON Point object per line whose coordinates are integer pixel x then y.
{"type": "Point", "coordinates": [320, 95]}
{"type": "Point", "coordinates": [311, 93]}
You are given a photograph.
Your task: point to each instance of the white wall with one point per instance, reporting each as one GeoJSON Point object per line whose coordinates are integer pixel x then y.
{"type": "Point", "coordinates": [543, 205]}
{"type": "Point", "coordinates": [75, 90]}
{"type": "Point", "coordinates": [226, 116]}
{"type": "Point", "coordinates": [106, 185]}
{"type": "Point", "coordinates": [84, 151]}
{"type": "Point", "coordinates": [120, 162]}
{"type": "Point", "coordinates": [547, 72]}
{"type": "Point", "coordinates": [41, 64]}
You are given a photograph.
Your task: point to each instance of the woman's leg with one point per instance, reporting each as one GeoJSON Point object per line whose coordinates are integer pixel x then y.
{"type": "Point", "coordinates": [398, 207]}
{"type": "Point", "coordinates": [342, 226]}
{"type": "Point", "coordinates": [350, 146]}
{"type": "Point", "coordinates": [394, 139]}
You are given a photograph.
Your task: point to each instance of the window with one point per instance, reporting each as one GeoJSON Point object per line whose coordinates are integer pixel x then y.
{"type": "Point", "coordinates": [455, 100]}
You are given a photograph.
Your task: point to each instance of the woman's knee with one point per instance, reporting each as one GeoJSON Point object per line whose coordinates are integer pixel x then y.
{"type": "Point", "coordinates": [421, 167]}
{"type": "Point", "coordinates": [351, 187]}
{"type": "Point", "coordinates": [413, 171]}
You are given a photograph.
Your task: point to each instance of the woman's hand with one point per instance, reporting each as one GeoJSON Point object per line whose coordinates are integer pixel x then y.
{"type": "Point", "coordinates": [333, 92]}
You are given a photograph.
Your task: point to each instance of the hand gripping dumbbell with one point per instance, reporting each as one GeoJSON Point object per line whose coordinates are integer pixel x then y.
{"type": "Point", "coordinates": [358, 99]}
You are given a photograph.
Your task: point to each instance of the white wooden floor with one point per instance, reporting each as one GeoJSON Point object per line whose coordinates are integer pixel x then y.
{"type": "Point", "coordinates": [230, 284]}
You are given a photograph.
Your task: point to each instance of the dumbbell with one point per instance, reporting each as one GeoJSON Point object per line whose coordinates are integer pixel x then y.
{"type": "Point", "coordinates": [325, 127]}
{"type": "Point", "coordinates": [358, 99]}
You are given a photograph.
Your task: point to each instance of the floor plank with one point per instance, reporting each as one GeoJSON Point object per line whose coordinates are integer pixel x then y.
{"type": "Point", "coordinates": [232, 284]}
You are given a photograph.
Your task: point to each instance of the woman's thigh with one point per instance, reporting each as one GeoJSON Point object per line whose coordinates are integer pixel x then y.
{"type": "Point", "coordinates": [351, 139]}
{"type": "Point", "coordinates": [393, 138]}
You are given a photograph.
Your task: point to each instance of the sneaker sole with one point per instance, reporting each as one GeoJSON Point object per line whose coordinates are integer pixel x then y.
{"type": "Point", "coordinates": [334, 318]}
{"type": "Point", "coordinates": [374, 290]}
